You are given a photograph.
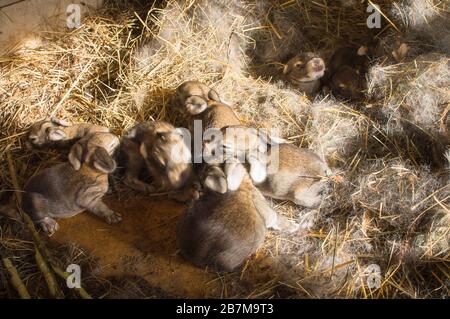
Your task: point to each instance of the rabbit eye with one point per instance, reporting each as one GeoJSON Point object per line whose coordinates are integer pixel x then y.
{"type": "Point", "coordinates": [298, 64]}
{"type": "Point", "coordinates": [161, 136]}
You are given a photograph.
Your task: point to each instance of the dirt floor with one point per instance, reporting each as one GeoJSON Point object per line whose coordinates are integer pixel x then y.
{"type": "Point", "coordinates": [144, 245]}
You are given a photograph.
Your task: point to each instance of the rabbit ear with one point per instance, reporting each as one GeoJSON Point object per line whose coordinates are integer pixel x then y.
{"type": "Point", "coordinates": [56, 134]}
{"type": "Point", "coordinates": [258, 170]}
{"type": "Point", "coordinates": [103, 161]}
{"type": "Point", "coordinates": [290, 65]}
{"type": "Point", "coordinates": [363, 50]}
{"type": "Point", "coordinates": [143, 150]}
{"type": "Point", "coordinates": [216, 183]}
{"type": "Point", "coordinates": [195, 105]}
{"type": "Point", "coordinates": [271, 139]}
{"type": "Point", "coordinates": [60, 122]}
{"type": "Point", "coordinates": [212, 95]}
{"type": "Point", "coordinates": [287, 68]}
{"type": "Point", "coordinates": [235, 173]}
{"type": "Point", "coordinates": [75, 156]}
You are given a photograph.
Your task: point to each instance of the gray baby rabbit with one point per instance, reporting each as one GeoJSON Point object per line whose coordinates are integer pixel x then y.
{"type": "Point", "coordinates": [304, 71]}
{"type": "Point", "coordinates": [59, 133]}
{"type": "Point", "coordinates": [223, 230]}
{"type": "Point", "coordinates": [67, 189]}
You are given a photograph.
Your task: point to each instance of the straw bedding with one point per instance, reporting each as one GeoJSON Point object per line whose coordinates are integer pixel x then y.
{"type": "Point", "coordinates": [388, 204]}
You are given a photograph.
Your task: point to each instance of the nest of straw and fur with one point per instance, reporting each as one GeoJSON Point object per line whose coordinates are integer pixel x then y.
{"type": "Point", "coordinates": [389, 206]}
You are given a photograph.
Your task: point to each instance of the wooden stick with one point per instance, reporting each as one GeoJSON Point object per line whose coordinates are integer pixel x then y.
{"type": "Point", "coordinates": [49, 277]}
{"type": "Point", "coordinates": [15, 279]}
{"type": "Point", "coordinates": [41, 248]}
{"type": "Point", "coordinates": [29, 223]}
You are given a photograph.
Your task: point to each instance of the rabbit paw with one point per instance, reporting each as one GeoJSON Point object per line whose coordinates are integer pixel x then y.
{"type": "Point", "coordinates": [184, 195]}
{"type": "Point", "coordinates": [49, 225]}
{"type": "Point", "coordinates": [113, 218]}
{"type": "Point", "coordinates": [287, 225]}
{"type": "Point", "coordinates": [150, 189]}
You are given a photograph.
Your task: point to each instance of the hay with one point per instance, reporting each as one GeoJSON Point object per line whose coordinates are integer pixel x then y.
{"type": "Point", "coordinates": [390, 205]}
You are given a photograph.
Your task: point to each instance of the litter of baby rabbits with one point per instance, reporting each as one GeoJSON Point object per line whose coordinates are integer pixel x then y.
{"type": "Point", "coordinates": [385, 209]}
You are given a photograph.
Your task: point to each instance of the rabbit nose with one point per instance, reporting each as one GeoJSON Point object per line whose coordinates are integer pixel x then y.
{"type": "Point", "coordinates": [33, 139]}
{"type": "Point", "coordinates": [317, 63]}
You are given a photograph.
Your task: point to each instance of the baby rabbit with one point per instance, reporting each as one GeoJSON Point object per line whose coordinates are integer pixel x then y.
{"type": "Point", "coordinates": [304, 72]}
{"type": "Point", "coordinates": [347, 83]}
{"type": "Point", "coordinates": [347, 69]}
{"type": "Point", "coordinates": [59, 133]}
{"type": "Point", "coordinates": [166, 156]}
{"type": "Point", "coordinates": [279, 170]}
{"type": "Point", "coordinates": [297, 176]}
{"type": "Point", "coordinates": [357, 58]}
{"type": "Point", "coordinates": [213, 178]}
{"type": "Point", "coordinates": [203, 103]}
{"type": "Point", "coordinates": [206, 108]}
{"type": "Point", "coordinates": [67, 189]}
{"type": "Point", "coordinates": [223, 230]}
{"type": "Point", "coordinates": [194, 95]}
{"type": "Point", "coordinates": [134, 164]}
{"type": "Point", "coordinates": [216, 116]}
{"type": "Point", "coordinates": [238, 145]}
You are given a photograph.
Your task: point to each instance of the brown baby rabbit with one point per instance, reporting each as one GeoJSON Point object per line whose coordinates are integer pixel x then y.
{"type": "Point", "coordinates": [304, 72]}
{"type": "Point", "coordinates": [59, 133]}
{"type": "Point", "coordinates": [347, 83]}
{"type": "Point", "coordinates": [67, 189]}
{"type": "Point", "coordinates": [203, 103]}
{"type": "Point", "coordinates": [134, 165]}
{"type": "Point", "coordinates": [347, 69]}
{"type": "Point", "coordinates": [239, 145]}
{"type": "Point", "coordinates": [297, 174]}
{"type": "Point", "coordinates": [194, 96]}
{"type": "Point", "coordinates": [279, 170]}
{"type": "Point", "coordinates": [213, 178]}
{"type": "Point", "coordinates": [166, 156]}
{"type": "Point", "coordinates": [355, 57]}
{"type": "Point", "coordinates": [223, 230]}
{"type": "Point", "coordinates": [214, 117]}
{"type": "Point", "coordinates": [131, 158]}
